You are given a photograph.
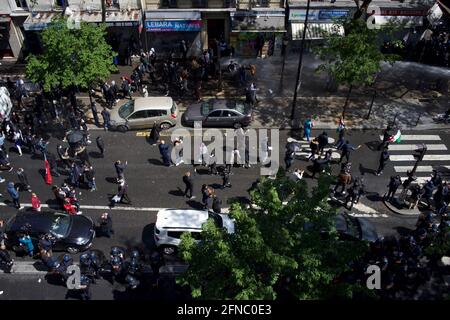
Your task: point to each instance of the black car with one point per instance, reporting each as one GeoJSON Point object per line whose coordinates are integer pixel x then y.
{"type": "Point", "coordinates": [355, 228]}
{"type": "Point", "coordinates": [73, 233]}
{"type": "Point", "coordinates": [218, 113]}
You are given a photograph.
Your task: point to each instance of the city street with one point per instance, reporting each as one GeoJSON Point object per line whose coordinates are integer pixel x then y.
{"type": "Point", "coordinates": [153, 186]}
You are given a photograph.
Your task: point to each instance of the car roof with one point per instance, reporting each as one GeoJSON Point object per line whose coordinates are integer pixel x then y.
{"type": "Point", "coordinates": [151, 103]}
{"type": "Point", "coordinates": [181, 219]}
{"type": "Point", "coordinates": [39, 221]}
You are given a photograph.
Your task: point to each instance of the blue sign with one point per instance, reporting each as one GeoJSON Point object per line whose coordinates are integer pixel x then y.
{"type": "Point", "coordinates": [173, 25]}
{"type": "Point", "coordinates": [332, 14]}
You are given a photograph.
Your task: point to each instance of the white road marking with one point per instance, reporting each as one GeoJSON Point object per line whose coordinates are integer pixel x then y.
{"type": "Point", "coordinates": [419, 168]}
{"type": "Point", "coordinates": [427, 157]}
{"type": "Point", "coordinates": [91, 207]}
{"type": "Point", "coordinates": [412, 147]}
{"type": "Point", "coordinates": [330, 140]}
{"type": "Point", "coordinates": [369, 215]}
{"type": "Point", "coordinates": [363, 208]}
{"type": "Point", "coordinates": [418, 137]}
{"type": "Point", "coordinates": [418, 180]}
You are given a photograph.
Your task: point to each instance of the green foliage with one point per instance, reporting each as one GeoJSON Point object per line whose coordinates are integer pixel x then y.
{"type": "Point", "coordinates": [355, 58]}
{"type": "Point", "coordinates": [274, 245]}
{"type": "Point", "coordinates": [77, 56]}
{"type": "Point", "coordinates": [439, 245]}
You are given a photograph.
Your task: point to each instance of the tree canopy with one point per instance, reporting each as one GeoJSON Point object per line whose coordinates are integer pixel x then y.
{"type": "Point", "coordinates": [278, 249]}
{"type": "Point", "coordinates": [354, 58]}
{"type": "Point", "coordinates": [72, 56]}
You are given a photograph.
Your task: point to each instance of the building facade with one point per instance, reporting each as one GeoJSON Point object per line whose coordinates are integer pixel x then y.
{"type": "Point", "coordinates": [12, 15]}
{"type": "Point", "coordinates": [203, 23]}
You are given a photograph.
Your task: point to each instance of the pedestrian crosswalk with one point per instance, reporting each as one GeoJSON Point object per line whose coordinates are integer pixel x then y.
{"type": "Point", "coordinates": [437, 157]}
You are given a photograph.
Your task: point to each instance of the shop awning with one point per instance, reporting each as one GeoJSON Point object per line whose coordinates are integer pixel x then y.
{"type": "Point", "coordinates": [173, 15]}
{"type": "Point", "coordinates": [315, 30]}
{"type": "Point", "coordinates": [129, 18]}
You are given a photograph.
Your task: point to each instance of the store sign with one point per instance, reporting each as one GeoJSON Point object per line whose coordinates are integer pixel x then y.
{"type": "Point", "coordinates": [123, 24]}
{"type": "Point", "coordinates": [173, 25]}
{"type": "Point", "coordinates": [318, 15]}
{"type": "Point", "coordinates": [403, 12]}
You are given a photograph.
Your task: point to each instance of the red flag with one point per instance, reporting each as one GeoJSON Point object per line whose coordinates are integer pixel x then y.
{"type": "Point", "coordinates": [48, 176]}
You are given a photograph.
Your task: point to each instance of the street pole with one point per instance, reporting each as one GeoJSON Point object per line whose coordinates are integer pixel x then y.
{"type": "Point", "coordinates": [285, 44]}
{"type": "Point", "coordinates": [219, 86]}
{"type": "Point", "coordinates": [300, 61]}
{"type": "Point", "coordinates": [422, 152]}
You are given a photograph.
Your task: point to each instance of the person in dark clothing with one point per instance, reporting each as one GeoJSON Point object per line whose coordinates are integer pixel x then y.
{"type": "Point", "coordinates": [165, 153]}
{"type": "Point", "coordinates": [393, 185]}
{"type": "Point", "coordinates": [386, 136]}
{"type": "Point", "coordinates": [314, 146]}
{"type": "Point", "coordinates": [323, 141]}
{"type": "Point", "coordinates": [23, 179]}
{"type": "Point", "coordinates": [216, 205]}
{"type": "Point", "coordinates": [53, 165]}
{"type": "Point", "coordinates": [428, 192]}
{"type": "Point", "coordinates": [90, 178]}
{"type": "Point", "coordinates": [59, 196]}
{"type": "Point", "coordinates": [154, 134]}
{"type": "Point", "coordinates": [346, 149]}
{"type": "Point", "coordinates": [351, 196]}
{"type": "Point", "coordinates": [14, 193]}
{"type": "Point", "coordinates": [95, 114]}
{"type": "Point", "coordinates": [226, 179]}
{"type": "Point", "coordinates": [289, 159]}
{"type": "Point", "coordinates": [436, 178]}
{"type": "Point", "coordinates": [105, 228]}
{"type": "Point", "coordinates": [126, 88]}
{"type": "Point", "coordinates": [120, 168]}
{"type": "Point", "coordinates": [106, 118]}
{"type": "Point", "coordinates": [189, 183]}
{"type": "Point", "coordinates": [100, 145]}
{"type": "Point", "coordinates": [384, 157]}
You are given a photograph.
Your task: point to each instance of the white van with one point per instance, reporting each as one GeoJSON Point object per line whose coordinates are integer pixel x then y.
{"type": "Point", "coordinates": [171, 223]}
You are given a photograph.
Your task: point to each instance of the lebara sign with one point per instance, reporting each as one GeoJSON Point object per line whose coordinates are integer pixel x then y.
{"type": "Point", "coordinates": [173, 25]}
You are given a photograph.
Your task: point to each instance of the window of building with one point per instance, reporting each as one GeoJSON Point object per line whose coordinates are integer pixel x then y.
{"type": "Point", "coordinates": [62, 3]}
{"type": "Point", "coordinates": [21, 4]}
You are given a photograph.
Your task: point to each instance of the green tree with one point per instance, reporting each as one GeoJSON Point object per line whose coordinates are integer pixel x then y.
{"type": "Point", "coordinates": [278, 246]}
{"type": "Point", "coordinates": [353, 59]}
{"type": "Point", "coordinates": [72, 56]}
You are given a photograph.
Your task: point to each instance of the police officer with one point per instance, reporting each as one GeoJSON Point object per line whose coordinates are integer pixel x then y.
{"type": "Point", "coordinates": [100, 145]}
{"type": "Point", "coordinates": [393, 185]}
{"type": "Point", "coordinates": [105, 226]}
{"type": "Point", "coordinates": [85, 288]}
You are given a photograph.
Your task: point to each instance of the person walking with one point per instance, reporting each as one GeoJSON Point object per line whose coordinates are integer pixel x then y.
{"type": "Point", "coordinates": [189, 185]}
{"type": "Point", "coordinates": [289, 159]}
{"type": "Point", "coordinates": [322, 139]}
{"type": "Point", "coordinates": [351, 197]}
{"type": "Point", "coordinates": [14, 193]}
{"type": "Point", "coordinates": [106, 118]}
{"type": "Point", "coordinates": [346, 149]}
{"type": "Point", "coordinates": [307, 126]}
{"type": "Point", "coordinates": [393, 185]}
{"type": "Point", "coordinates": [226, 179]}
{"type": "Point", "coordinates": [35, 202]}
{"type": "Point", "coordinates": [126, 89]}
{"type": "Point", "coordinates": [100, 145]}
{"type": "Point", "coordinates": [216, 204]}
{"type": "Point", "coordinates": [90, 178]}
{"type": "Point", "coordinates": [344, 178]}
{"type": "Point", "coordinates": [386, 138]}
{"type": "Point", "coordinates": [105, 226]}
{"type": "Point", "coordinates": [23, 179]}
{"type": "Point", "coordinates": [314, 146]}
{"type": "Point", "coordinates": [120, 168]}
{"type": "Point", "coordinates": [18, 141]}
{"type": "Point", "coordinates": [428, 189]}
{"type": "Point", "coordinates": [123, 192]}
{"type": "Point", "coordinates": [205, 195]}
{"type": "Point", "coordinates": [154, 134]}
{"type": "Point", "coordinates": [95, 114]}
{"type": "Point", "coordinates": [165, 153]}
{"type": "Point", "coordinates": [384, 157]}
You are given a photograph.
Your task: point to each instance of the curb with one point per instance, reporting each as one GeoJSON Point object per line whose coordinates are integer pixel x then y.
{"type": "Point", "coordinates": [403, 212]}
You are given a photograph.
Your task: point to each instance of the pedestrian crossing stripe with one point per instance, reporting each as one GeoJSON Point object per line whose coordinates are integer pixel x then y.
{"type": "Point", "coordinates": [412, 147]}
{"type": "Point", "coordinates": [419, 168]}
{"type": "Point", "coordinates": [427, 157]}
{"type": "Point", "coordinates": [147, 134]}
{"type": "Point", "coordinates": [420, 180]}
{"type": "Point", "coordinates": [419, 137]}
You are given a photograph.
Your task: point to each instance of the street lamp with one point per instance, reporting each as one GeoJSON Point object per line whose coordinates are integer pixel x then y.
{"type": "Point", "coordinates": [300, 61]}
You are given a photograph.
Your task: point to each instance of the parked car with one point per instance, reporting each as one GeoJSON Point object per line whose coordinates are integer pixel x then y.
{"type": "Point", "coordinates": [172, 223]}
{"type": "Point", "coordinates": [219, 113]}
{"type": "Point", "coordinates": [73, 233]}
{"type": "Point", "coordinates": [142, 113]}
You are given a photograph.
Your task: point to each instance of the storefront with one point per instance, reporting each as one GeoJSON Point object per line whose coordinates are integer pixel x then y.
{"type": "Point", "coordinates": [321, 22]}
{"type": "Point", "coordinates": [256, 30]}
{"type": "Point", "coordinates": [123, 27]}
{"type": "Point", "coordinates": [166, 29]}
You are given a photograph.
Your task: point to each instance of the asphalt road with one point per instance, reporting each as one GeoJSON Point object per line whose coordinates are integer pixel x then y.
{"type": "Point", "coordinates": [153, 186]}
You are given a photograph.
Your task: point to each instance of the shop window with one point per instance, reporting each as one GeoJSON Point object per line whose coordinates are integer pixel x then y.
{"type": "Point", "coordinates": [21, 4]}
{"type": "Point", "coordinates": [112, 4]}
{"type": "Point", "coordinates": [62, 3]}
{"type": "Point", "coordinates": [168, 4]}
{"type": "Point", "coordinates": [200, 3]}
{"type": "Point", "coordinates": [261, 3]}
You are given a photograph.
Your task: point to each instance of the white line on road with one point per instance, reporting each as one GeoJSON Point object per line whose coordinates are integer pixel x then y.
{"type": "Point", "coordinates": [412, 147]}
{"type": "Point", "coordinates": [419, 168]}
{"type": "Point", "coordinates": [427, 157]}
{"type": "Point", "coordinates": [334, 155]}
{"type": "Point", "coordinates": [418, 137]}
{"type": "Point", "coordinates": [420, 180]}
{"type": "Point", "coordinates": [369, 215]}
{"type": "Point", "coordinates": [91, 207]}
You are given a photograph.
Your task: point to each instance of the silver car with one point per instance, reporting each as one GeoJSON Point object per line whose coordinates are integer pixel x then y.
{"type": "Point", "coordinates": [142, 113]}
